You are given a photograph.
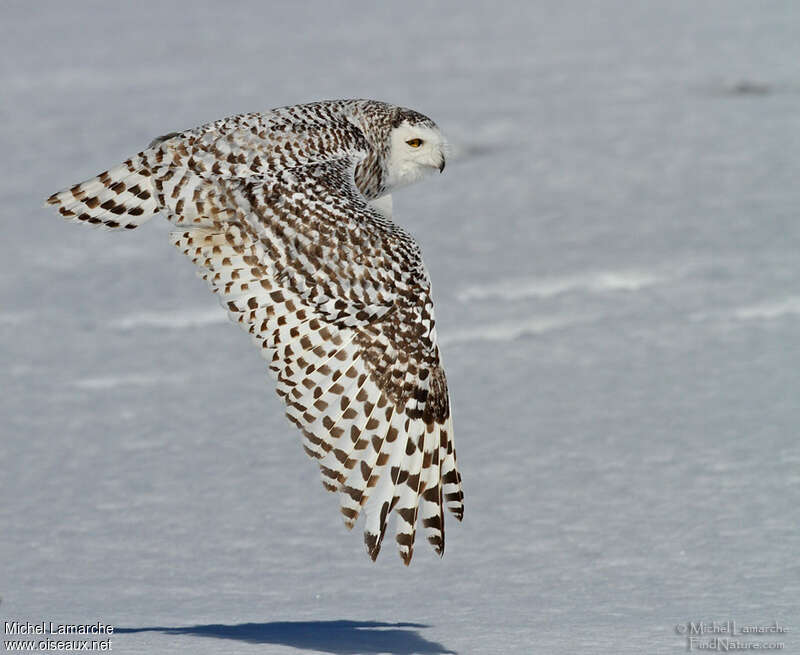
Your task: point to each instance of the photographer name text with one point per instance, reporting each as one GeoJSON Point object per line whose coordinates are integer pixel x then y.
{"type": "Point", "coordinates": [49, 627]}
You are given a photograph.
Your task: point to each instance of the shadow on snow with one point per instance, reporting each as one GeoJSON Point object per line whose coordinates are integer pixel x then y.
{"type": "Point", "coordinates": [338, 637]}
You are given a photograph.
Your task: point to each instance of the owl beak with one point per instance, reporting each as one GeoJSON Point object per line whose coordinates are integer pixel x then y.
{"type": "Point", "coordinates": [441, 165]}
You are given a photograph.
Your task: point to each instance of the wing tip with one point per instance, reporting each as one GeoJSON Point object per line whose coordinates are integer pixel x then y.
{"type": "Point", "coordinates": [437, 543]}
{"type": "Point", "coordinates": [373, 543]}
{"type": "Point", "coordinates": [405, 543]}
{"type": "Point", "coordinates": [455, 503]}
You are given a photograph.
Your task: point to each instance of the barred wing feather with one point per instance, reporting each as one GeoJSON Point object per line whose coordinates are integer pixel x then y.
{"type": "Point", "coordinates": [338, 301]}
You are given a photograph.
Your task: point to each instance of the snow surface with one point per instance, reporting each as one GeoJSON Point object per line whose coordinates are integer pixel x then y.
{"type": "Point", "coordinates": [615, 260]}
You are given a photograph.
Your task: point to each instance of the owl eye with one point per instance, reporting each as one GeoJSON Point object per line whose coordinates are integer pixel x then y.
{"type": "Point", "coordinates": [414, 143]}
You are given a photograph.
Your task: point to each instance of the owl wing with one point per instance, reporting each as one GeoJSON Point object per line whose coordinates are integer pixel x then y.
{"type": "Point", "coordinates": [338, 301]}
{"type": "Point", "coordinates": [173, 173]}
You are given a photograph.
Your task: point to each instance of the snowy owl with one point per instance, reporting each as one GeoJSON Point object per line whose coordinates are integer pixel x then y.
{"type": "Point", "coordinates": [287, 215]}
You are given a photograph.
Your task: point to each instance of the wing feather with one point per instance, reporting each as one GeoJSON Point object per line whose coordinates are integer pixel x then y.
{"type": "Point", "coordinates": [339, 303]}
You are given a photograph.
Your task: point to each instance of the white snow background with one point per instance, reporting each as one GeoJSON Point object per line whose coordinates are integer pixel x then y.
{"type": "Point", "coordinates": [614, 254]}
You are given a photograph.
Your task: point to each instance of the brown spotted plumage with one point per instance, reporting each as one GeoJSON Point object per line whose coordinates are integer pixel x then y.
{"type": "Point", "coordinates": [285, 215]}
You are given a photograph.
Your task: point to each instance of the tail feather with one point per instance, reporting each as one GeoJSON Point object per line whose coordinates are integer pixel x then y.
{"type": "Point", "coordinates": [121, 197]}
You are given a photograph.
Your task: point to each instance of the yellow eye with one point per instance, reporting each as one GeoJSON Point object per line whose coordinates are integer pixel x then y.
{"type": "Point", "coordinates": [414, 143]}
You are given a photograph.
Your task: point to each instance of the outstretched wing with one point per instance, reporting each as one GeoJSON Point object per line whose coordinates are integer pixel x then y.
{"type": "Point", "coordinates": [338, 300]}
{"type": "Point", "coordinates": [172, 172]}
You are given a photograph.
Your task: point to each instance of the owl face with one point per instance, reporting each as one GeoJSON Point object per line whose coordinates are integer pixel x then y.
{"type": "Point", "coordinates": [415, 150]}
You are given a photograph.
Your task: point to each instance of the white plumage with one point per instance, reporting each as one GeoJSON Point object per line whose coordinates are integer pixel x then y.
{"type": "Point", "coordinates": [287, 216]}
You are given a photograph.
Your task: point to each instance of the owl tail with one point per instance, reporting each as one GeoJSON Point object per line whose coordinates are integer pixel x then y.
{"type": "Point", "coordinates": [121, 197]}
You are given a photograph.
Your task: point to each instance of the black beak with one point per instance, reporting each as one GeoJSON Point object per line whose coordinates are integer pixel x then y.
{"type": "Point", "coordinates": [441, 166]}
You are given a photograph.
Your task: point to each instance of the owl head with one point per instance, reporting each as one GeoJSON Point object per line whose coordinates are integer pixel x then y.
{"type": "Point", "coordinates": [416, 147]}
